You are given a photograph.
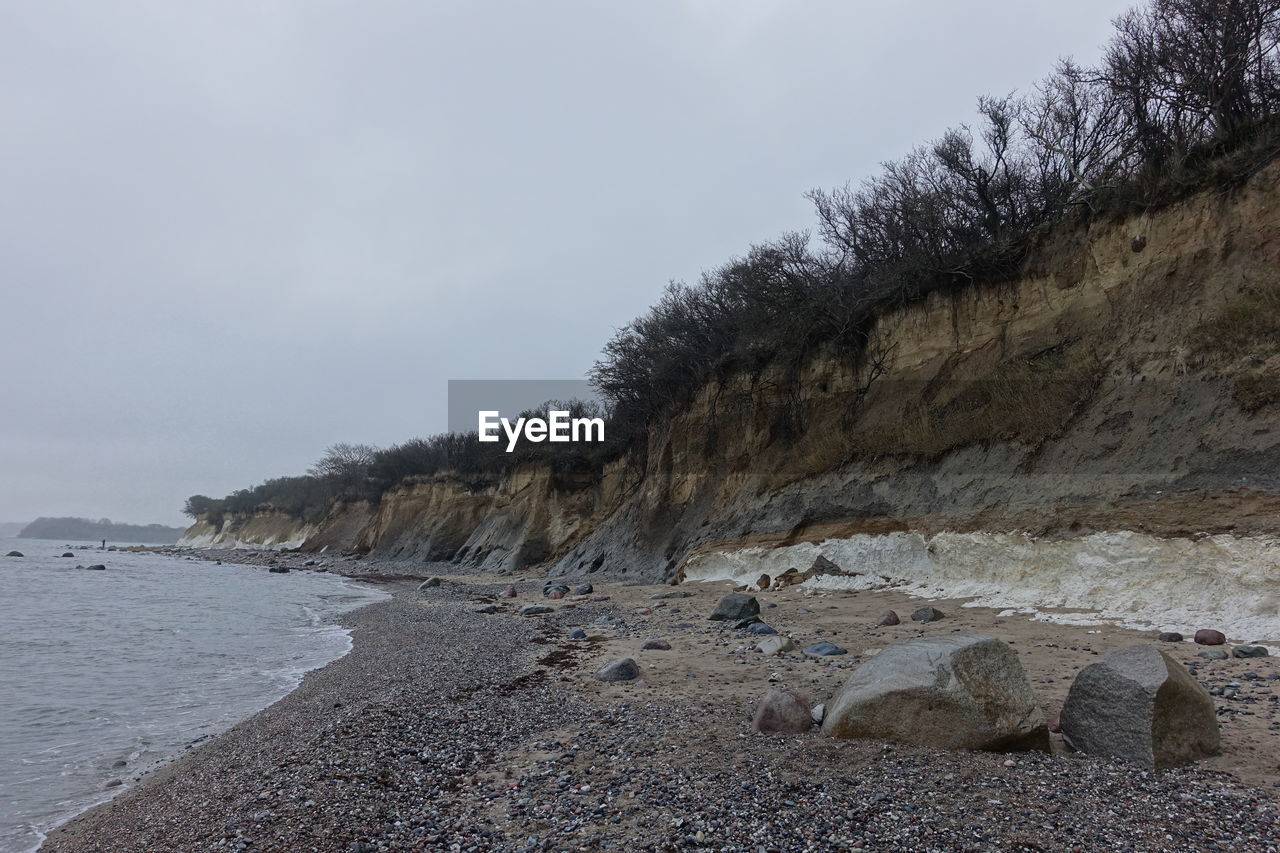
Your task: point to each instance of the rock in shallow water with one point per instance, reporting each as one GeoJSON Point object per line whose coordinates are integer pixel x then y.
{"type": "Point", "coordinates": [98, 567]}
{"type": "Point", "coordinates": [14, 554]}
{"type": "Point", "coordinates": [957, 691]}
{"type": "Point", "coordinates": [735, 607]}
{"type": "Point", "coordinates": [623, 669]}
{"type": "Point", "coordinates": [1210, 637]}
{"type": "Point", "coordinates": [782, 711]}
{"type": "Point", "coordinates": [1140, 705]}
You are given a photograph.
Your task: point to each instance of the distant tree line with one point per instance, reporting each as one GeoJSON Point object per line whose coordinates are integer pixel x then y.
{"type": "Point", "coordinates": [363, 472]}
{"type": "Point", "coordinates": [1185, 95]}
{"type": "Point", "coordinates": [87, 530]}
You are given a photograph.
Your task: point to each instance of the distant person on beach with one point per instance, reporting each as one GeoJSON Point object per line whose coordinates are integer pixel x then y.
{"type": "Point", "coordinates": [104, 544]}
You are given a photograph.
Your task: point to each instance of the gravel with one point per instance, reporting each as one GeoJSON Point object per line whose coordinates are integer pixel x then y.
{"type": "Point", "coordinates": [447, 730]}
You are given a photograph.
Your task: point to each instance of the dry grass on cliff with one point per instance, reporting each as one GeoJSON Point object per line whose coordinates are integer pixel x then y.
{"type": "Point", "coordinates": [1024, 400]}
{"type": "Point", "coordinates": [1247, 333]}
{"type": "Point", "coordinates": [1248, 326]}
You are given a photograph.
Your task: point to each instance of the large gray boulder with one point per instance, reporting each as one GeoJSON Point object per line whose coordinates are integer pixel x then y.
{"type": "Point", "coordinates": [735, 607]}
{"type": "Point", "coordinates": [622, 669]}
{"type": "Point", "coordinates": [1142, 706]}
{"type": "Point", "coordinates": [956, 691]}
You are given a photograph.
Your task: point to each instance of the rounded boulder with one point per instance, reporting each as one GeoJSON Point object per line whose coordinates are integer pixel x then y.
{"type": "Point", "coordinates": [623, 669]}
{"type": "Point", "coordinates": [1139, 705]}
{"type": "Point", "coordinates": [955, 691]}
{"type": "Point", "coordinates": [782, 711]}
{"type": "Point", "coordinates": [736, 607]}
{"type": "Point", "coordinates": [1210, 637]}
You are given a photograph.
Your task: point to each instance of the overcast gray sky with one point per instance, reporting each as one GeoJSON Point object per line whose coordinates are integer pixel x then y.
{"type": "Point", "coordinates": [233, 232]}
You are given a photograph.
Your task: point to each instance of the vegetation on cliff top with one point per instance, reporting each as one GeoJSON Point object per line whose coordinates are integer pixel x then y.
{"type": "Point", "coordinates": [1186, 95]}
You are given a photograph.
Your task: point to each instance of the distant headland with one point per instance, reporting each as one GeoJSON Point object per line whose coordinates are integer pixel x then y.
{"type": "Point", "coordinates": [85, 529]}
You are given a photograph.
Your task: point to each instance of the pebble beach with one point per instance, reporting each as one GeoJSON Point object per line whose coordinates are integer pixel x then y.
{"type": "Point", "coordinates": [450, 729]}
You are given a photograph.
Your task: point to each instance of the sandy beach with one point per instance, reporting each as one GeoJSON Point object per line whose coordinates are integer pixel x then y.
{"type": "Point", "coordinates": [448, 729]}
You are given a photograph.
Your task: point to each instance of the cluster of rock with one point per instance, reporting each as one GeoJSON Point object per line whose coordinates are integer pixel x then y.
{"type": "Point", "coordinates": [556, 590]}
{"type": "Point", "coordinates": [1211, 637]}
{"type": "Point", "coordinates": [821, 566]}
{"type": "Point", "coordinates": [967, 690]}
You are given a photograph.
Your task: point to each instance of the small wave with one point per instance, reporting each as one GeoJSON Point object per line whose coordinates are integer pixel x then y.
{"type": "Point", "coordinates": [201, 652]}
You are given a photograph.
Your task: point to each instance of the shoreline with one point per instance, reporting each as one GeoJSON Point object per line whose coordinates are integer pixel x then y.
{"type": "Point", "coordinates": [445, 727]}
{"type": "Point", "coordinates": [331, 624]}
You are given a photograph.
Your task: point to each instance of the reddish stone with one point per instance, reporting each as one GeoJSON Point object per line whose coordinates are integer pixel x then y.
{"type": "Point", "coordinates": [1055, 723]}
{"type": "Point", "coordinates": [780, 710]}
{"type": "Point", "coordinates": [1210, 637]}
{"type": "Point", "coordinates": [888, 618]}
{"type": "Point", "coordinates": [555, 593]}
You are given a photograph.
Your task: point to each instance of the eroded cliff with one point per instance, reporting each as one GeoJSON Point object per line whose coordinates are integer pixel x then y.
{"type": "Point", "coordinates": [1127, 379]}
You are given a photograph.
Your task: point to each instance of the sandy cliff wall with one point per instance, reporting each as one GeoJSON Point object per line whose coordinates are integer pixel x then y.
{"type": "Point", "coordinates": [1081, 397]}
{"type": "Point", "coordinates": [527, 518]}
{"type": "Point", "coordinates": [264, 530]}
{"type": "Point", "coordinates": [1092, 393]}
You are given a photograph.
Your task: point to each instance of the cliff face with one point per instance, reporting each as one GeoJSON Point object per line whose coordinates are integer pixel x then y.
{"type": "Point", "coordinates": [1119, 383]}
{"type": "Point", "coordinates": [264, 530]}
{"type": "Point", "coordinates": [1102, 390]}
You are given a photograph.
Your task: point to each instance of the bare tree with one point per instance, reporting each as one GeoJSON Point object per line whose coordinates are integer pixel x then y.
{"type": "Point", "coordinates": [346, 465]}
{"type": "Point", "coordinates": [1082, 135]}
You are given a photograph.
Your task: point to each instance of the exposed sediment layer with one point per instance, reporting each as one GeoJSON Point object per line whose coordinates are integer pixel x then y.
{"type": "Point", "coordinates": [1134, 579]}
{"type": "Point", "coordinates": [272, 530]}
{"type": "Point", "coordinates": [1080, 399]}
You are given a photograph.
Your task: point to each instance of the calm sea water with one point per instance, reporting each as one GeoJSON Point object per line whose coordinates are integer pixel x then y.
{"type": "Point", "coordinates": [134, 663]}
